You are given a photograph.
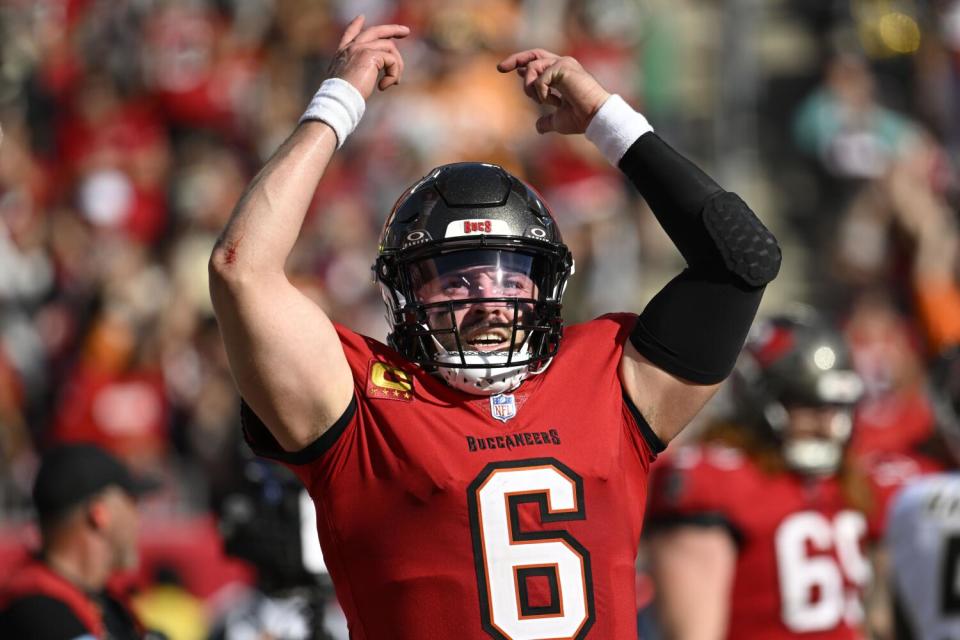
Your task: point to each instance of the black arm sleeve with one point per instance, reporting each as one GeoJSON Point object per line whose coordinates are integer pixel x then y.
{"type": "Point", "coordinates": [676, 190]}
{"type": "Point", "coordinates": [695, 326]}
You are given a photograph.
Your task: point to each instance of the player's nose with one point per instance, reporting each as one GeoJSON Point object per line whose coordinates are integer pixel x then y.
{"type": "Point", "coordinates": [495, 310]}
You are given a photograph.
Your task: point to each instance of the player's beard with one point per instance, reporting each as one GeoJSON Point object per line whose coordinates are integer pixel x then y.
{"type": "Point", "coordinates": [486, 365]}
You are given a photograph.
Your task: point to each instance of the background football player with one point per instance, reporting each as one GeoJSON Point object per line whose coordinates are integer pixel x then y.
{"type": "Point", "coordinates": [485, 474]}
{"type": "Point", "coordinates": [761, 527]}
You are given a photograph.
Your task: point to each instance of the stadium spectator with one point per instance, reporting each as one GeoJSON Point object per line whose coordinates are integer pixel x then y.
{"type": "Point", "coordinates": [895, 415]}
{"type": "Point", "coordinates": [85, 501]}
{"type": "Point", "coordinates": [919, 188]}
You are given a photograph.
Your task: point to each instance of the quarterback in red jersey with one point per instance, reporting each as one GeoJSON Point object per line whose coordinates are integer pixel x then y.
{"type": "Point", "coordinates": [773, 504]}
{"type": "Point", "coordinates": [484, 474]}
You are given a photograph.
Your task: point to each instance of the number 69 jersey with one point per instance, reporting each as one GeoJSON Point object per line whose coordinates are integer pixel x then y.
{"type": "Point", "coordinates": [800, 568]}
{"type": "Point", "coordinates": [923, 538]}
{"type": "Point", "coordinates": [517, 517]}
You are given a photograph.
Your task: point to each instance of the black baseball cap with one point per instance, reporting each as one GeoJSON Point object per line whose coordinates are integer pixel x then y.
{"type": "Point", "coordinates": [72, 473]}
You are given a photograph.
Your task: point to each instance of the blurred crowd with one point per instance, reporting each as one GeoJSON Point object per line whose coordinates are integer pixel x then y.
{"type": "Point", "coordinates": [130, 128]}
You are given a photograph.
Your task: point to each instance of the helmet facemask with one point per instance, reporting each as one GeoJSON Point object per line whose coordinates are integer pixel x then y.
{"type": "Point", "coordinates": [794, 371]}
{"type": "Point", "coordinates": [495, 319]}
{"type": "Point", "coordinates": [812, 454]}
{"type": "Point", "coordinates": [481, 319]}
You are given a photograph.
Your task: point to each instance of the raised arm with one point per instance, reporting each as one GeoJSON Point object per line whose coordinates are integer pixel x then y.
{"type": "Point", "coordinates": [687, 339]}
{"type": "Point", "coordinates": [284, 352]}
{"type": "Point", "coordinates": [693, 568]}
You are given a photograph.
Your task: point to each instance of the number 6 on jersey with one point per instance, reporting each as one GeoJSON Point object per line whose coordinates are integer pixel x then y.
{"type": "Point", "coordinates": [508, 559]}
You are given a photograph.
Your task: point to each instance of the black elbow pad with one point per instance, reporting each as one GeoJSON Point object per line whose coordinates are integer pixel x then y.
{"type": "Point", "coordinates": [747, 247]}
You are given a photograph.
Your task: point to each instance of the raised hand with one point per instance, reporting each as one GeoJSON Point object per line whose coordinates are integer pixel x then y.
{"type": "Point", "coordinates": [561, 82]}
{"type": "Point", "coordinates": [363, 53]}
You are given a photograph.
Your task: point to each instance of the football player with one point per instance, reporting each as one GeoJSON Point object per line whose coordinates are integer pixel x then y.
{"type": "Point", "coordinates": [923, 530]}
{"type": "Point", "coordinates": [484, 473]}
{"type": "Point", "coordinates": [760, 528]}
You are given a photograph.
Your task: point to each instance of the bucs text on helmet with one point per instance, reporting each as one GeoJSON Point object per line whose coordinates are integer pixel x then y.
{"type": "Point", "coordinates": [791, 361]}
{"type": "Point", "coordinates": [472, 269]}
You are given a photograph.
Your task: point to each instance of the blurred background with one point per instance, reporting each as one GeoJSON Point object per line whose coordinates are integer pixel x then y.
{"type": "Point", "coordinates": [132, 126]}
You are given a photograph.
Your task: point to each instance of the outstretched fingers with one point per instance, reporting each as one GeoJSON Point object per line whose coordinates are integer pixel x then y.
{"type": "Point", "coordinates": [395, 67]}
{"type": "Point", "coordinates": [560, 82]}
{"type": "Point", "coordinates": [381, 39]}
{"type": "Point", "coordinates": [523, 58]}
{"type": "Point", "coordinates": [351, 32]}
{"type": "Point", "coordinates": [382, 31]}
{"type": "Point", "coordinates": [369, 58]}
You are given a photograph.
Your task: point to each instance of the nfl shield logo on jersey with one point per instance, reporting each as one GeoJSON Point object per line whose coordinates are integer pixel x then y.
{"type": "Point", "coordinates": [503, 406]}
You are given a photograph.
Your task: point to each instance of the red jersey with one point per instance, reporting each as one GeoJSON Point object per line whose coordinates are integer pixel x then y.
{"type": "Point", "coordinates": [889, 473]}
{"type": "Point", "coordinates": [892, 423]}
{"type": "Point", "coordinates": [37, 602]}
{"type": "Point", "coordinates": [800, 568]}
{"type": "Point", "coordinates": [448, 515]}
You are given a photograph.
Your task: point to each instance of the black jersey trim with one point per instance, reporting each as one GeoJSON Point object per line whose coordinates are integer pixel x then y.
{"type": "Point", "coordinates": [264, 444]}
{"type": "Point", "coordinates": [42, 617]}
{"type": "Point", "coordinates": [704, 519]}
{"type": "Point", "coordinates": [656, 444]}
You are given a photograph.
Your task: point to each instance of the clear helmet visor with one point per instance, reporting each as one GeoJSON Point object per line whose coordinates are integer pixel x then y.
{"type": "Point", "coordinates": [478, 274]}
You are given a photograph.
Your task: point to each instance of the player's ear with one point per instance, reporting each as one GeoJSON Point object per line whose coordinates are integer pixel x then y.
{"type": "Point", "coordinates": [98, 514]}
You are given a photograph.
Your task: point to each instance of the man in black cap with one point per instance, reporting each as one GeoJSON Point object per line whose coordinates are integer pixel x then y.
{"type": "Point", "coordinates": [86, 508]}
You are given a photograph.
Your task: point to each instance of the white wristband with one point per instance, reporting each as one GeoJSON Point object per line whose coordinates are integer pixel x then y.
{"type": "Point", "coordinates": [615, 127]}
{"type": "Point", "coordinates": [339, 104]}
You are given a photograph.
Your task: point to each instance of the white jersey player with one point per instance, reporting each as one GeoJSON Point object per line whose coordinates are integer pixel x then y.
{"type": "Point", "coordinates": [923, 527]}
{"type": "Point", "coordinates": [923, 539]}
